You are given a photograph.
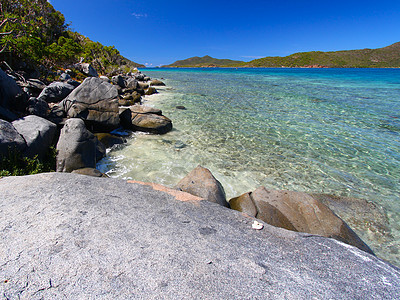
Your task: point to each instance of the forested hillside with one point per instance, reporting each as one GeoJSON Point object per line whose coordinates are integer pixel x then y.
{"type": "Point", "coordinates": [33, 32]}
{"type": "Point", "coordinates": [364, 58]}
{"type": "Point", "coordinates": [205, 61]}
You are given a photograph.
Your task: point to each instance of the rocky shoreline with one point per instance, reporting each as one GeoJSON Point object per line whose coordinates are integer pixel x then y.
{"type": "Point", "coordinates": [68, 113]}
{"type": "Point", "coordinates": [80, 119]}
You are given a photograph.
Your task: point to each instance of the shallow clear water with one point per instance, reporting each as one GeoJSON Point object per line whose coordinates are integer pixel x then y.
{"type": "Point", "coordinates": [334, 131]}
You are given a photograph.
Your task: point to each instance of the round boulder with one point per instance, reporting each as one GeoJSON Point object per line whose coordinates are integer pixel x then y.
{"type": "Point", "coordinates": [156, 82]}
{"type": "Point", "coordinates": [151, 123]}
{"type": "Point", "coordinates": [76, 147]}
{"type": "Point", "coordinates": [200, 182]}
{"type": "Point", "coordinates": [38, 133]}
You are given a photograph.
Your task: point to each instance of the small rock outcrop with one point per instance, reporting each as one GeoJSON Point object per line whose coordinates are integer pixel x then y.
{"type": "Point", "coordinates": [96, 102]}
{"type": "Point", "coordinates": [38, 133]}
{"type": "Point", "coordinates": [200, 182]}
{"type": "Point", "coordinates": [76, 147]}
{"type": "Point", "coordinates": [296, 211]}
{"type": "Point", "coordinates": [10, 139]}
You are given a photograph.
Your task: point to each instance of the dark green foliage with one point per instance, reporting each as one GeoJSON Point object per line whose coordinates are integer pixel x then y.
{"type": "Point", "coordinates": [16, 164]}
{"type": "Point", "coordinates": [65, 50]}
{"type": "Point", "coordinates": [387, 57]}
{"type": "Point", "coordinates": [34, 32]}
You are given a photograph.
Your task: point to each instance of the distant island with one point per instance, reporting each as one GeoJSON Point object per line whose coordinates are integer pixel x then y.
{"type": "Point", "coordinates": [205, 61]}
{"type": "Point", "coordinates": [386, 57]}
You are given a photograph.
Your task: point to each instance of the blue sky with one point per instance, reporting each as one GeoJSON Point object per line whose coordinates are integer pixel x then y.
{"type": "Point", "coordinates": [160, 32]}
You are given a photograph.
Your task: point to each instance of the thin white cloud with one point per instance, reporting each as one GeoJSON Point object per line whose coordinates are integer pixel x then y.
{"type": "Point", "coordinates": [138, 16]}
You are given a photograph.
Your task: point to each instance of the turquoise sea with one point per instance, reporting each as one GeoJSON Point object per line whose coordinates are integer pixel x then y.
{"type": "Point", "coordinates": [334, 131]}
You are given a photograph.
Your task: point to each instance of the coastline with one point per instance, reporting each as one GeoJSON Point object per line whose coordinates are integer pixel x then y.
{"type": "Point", "coordinates": [234, 180]}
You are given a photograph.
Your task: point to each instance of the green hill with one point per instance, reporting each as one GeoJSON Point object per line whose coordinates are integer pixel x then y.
{"type": "Point", "coordinates": [386, 57]}
{"type": "Point", "coordinates": [365, 58]}
{"type": "Point", "coordinates": [34, 33]}
{"type": "Point", "coordinates": [205, 61]}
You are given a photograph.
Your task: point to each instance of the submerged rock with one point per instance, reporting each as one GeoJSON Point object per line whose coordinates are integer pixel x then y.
{"type": "Point", "coordinates": [200, 182]}
{"type": "Point", "coordinates": [298, 212]}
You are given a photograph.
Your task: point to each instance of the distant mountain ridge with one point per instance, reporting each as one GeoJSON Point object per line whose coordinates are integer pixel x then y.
{"type": "Point", "coordinates": [205, 61]}
{"type": "Point", "coordinates": [386, 57]}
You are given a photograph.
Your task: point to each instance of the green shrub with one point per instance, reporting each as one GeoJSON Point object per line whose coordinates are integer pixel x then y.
{"type": "Point", "coordinates": [15, 164]}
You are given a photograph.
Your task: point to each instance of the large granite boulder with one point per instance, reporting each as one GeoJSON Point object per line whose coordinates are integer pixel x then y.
{"type": "Point", "coordinates": [9, 90]}
{"type": "Point", "coordinates": [86, 69]}
{"type": "Point", "coordinates": [95, 101]}
{"type": "Point", "coordinates": [118, 80]}
{"type": "Point", "coordinates": [366, 218]}
{"type": "Point", "coordinates": [65, 77]}
{"type": "Point", "coordinates": [156, 82]}
{"type": "Point", "coordinates": [147, 119]}
{"type": "Point", "coordinates": [130, 99]}
{"type": "Point", "coordinates": [142, 85]}
{"type": "Point", "coordinates": [109, 140]}
{"type": "Point", "coordinates": [57, 91]}
{"type": "Point", "coordinates": [10, 139]}
{"type": "Point", "coordinates": [201, 182]}
{"type": "Point", "coordinates": [69, 236]}
{"type": "Point", "coordinates": [7, 115]}
{"type": "Point", "coordinates": [32, 86]}
{"type": "Point", "coordinates": [150, 91]}
{"type": "Point", "coordinates": [139, 76]}
{"type": "Point", "coordinates": [38, 107]}
{"type": "Point", "coordinates": [132, 83]}
{"type": "Point", "coordinates": [144, 109]}
{"type": "Point", "coordinates": [151, 123]}
{"type": "Point", "coordinates": [38, 133]}
{"type": "Point", "coordinates": [296, 211]}
{"type": "Point", "coordinates": [76, 147]}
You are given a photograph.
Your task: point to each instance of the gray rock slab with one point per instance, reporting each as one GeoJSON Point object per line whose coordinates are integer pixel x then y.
{"type": "Point", "coordinates": [69, 236]}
